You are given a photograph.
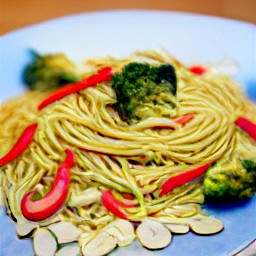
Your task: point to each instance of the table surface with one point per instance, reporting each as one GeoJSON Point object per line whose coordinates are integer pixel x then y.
{"type": "Point", "coordinates": [16, 14]}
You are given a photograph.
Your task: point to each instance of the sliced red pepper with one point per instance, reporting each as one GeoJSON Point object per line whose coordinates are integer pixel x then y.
{"type": "Point", "coordinates": [248, 126]}
{"type": "Point", "coordinates": [108, 200]}
{"type": "Point", "coordinates": [183, 178]}
{"type": "Point", "coordinates": [103, 75]}
{"type": "Point", "coordinates": [183, 119]}
{"type": "Point", "coordinates": [105, 70]}
{"type": "Point", "coordinates": [21, 144]}
{"type": "Point", "coordinates": [128, 196]}
{"type": "Point", "coordinates": [126, 204]}
{"type": "Point", "coordinates": [38, 210]}
{"type": "Point", "coordinates": [198, 70]}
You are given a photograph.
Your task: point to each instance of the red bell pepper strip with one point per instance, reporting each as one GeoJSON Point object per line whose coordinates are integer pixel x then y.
{"type": "Point", "coordinates": [38, 210]}
{"type": "Point", "coordinates": [126, 204]}
{"type": "Point", "coordinates": [198, 70]}
{"type": "Point", "coordinates": [248, 126]}
{"type": "Point", "coordinates": [105, 70]}
{"type": "Point", "coordinates": [21, 144]}
{"type": "Point", "coordinates": [183, 119]}
{"type": "Point", "coordinates": [183, 178]}
{"type": "Point", "coordinates": [108, 200]}
{"type": "Point", "coordinates": [102, 76]}
{"type": "Point", "coordinates": [128, 196]}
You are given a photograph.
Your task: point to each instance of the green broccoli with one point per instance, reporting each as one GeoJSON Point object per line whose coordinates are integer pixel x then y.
{"type": "Point", "coordinates": [230, 182]}
{"type": "Point", "coordinates": [143, 90]}
{"type": "Point", "coordinates": [50, 71]}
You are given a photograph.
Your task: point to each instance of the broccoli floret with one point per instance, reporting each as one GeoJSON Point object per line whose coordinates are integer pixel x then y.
{"type": "Point", "coordinates": [143, 90]}
{"type": "Point", "coordinates": [50, 71]}
{"type": "Point", "coordinates": [230, 182]}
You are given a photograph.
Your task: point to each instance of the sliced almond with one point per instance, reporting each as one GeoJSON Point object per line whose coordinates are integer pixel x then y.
{"type": "Point", "coordinates": [2, 208]}
{"type": "Point", "coordinates": [65, 232]}
{"type": "Point", "coordinates": [87, 197]}
{"type": "Point", "coordinates": [1, 197]}
{"type": "Point", "coordinates": [177, 228]}
{"type": "Point", "coordinates": [122, 240]}
{"type": "Point", "coordinates": [206, 226]}
{"type": "Point", "coordinates": [70, 250]}
{"type": "Point", "coordinates": [49, 221]}
{"type": "Point", "coordinates": [25, 227]}
{"type": "Point", "coordinates": [86, 237]}
{"type": "Point", "coordinates": [122, 230]}
{"type": "Point", "coordinates": [134, 249]}
{"type": "Point", "coordinates": [44, 243]}
{"type": "Point", "coordinates": [102, 244]}
{"type": "Point", "coordinates": [226, 66]}
{"type": "Point", "coordinates": [153, 235]}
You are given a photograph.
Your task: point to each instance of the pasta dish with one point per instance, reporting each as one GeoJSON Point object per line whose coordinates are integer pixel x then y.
{"type": "Point", "coordinates": [139, 141]}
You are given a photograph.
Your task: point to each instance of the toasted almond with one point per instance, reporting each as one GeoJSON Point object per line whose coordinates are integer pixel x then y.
{"type": "Point", "coordinates": [122, 230]}
{"type": "Point", "coordinates": [49, 221]}
{"type": "Point", "coordinates": [86, 237]}
{"type": "Point", "coordinates": [25, 227]}
{"type": "Point", "coordinates": [178, 228]}
{"type": "Point", "coordinates": [65, 232]}
{"type": "Point", "coordinates": [153, 235]}
{"type": "Point", "coordinates": [1, 197]}
{"type": "Point", "coordinates": [87, 197]}
{"type": "Point", "coordinates": [44, 243]}
{"type": "Point", "coordinates": [206, 225]}
{"type": "Point", "coordinates": [102, 244]}
{"type": "Point", "coordinates": [70, 250]}
{"type": "Point", "coordinates": [226, 66]}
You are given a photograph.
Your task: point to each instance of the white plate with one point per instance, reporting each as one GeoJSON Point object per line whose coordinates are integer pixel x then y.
{"type": "Point", "coordinates": [192, 39]}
